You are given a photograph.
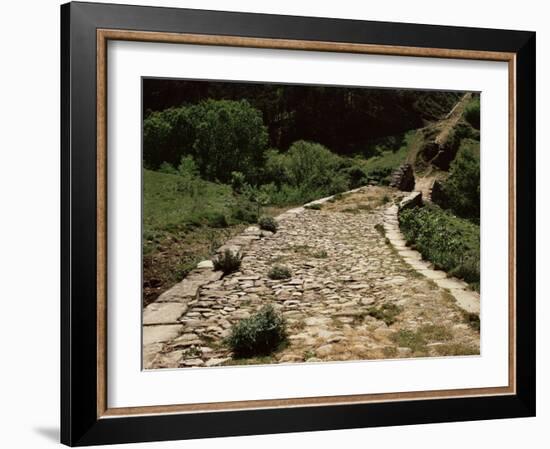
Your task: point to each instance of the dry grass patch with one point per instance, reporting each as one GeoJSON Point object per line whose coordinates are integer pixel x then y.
{"type": "Point", "coordinates": [456, 349]}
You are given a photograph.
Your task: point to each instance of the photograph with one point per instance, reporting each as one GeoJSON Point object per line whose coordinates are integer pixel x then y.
{"type": "Point", "coordinates": [294, 223]}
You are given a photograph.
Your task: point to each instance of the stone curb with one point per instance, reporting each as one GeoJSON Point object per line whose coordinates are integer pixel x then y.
{"type": "Point", "coordinates": [466, 299]}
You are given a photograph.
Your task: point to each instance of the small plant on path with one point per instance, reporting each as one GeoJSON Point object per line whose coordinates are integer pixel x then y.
{"type": "Point", "coordinates": [279, 272]}
{"type": "Point", "coordinates": [228, 262]}
{"type": "Point", "coordinates": [387, 312]}
{"type": "Point", "coordinates": [268, 223]}
{"type": "Point", "coordinates": [261, 334]}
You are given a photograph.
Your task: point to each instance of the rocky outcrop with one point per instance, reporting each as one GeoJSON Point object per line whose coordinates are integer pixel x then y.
{"type": "Point", "coordinates": [403, 178]}
{"type": "Point", "coordinates": [411, 201]}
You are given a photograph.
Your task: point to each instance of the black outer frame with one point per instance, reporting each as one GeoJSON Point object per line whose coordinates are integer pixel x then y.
{"type": "Point", "coordinates": [79, 422]}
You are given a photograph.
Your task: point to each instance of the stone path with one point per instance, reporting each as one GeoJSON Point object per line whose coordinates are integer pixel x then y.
{"type": "Point", "coordinates": [346, 276]}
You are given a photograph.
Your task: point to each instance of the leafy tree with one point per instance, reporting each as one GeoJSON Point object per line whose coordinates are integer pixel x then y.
{"type": "Point", "coordinates": [222, 136]}
{"type": "Point", "coordinates": [229, 136]}
{"type": "Point", "coordinates": [310, 164]}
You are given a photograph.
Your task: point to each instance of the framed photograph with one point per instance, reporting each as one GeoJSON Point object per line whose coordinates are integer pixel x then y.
{"type": "Point", "coordinates": [279, 224]}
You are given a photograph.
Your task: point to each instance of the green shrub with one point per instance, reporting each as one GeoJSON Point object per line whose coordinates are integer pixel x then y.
{"type": "Point", "coordinates": [311, 164]}
{"type": "Point", "coordinates": [258, 335]}
{"type": "Point", "coordinates": [167, 168]}
{"type": "Point", "coordinates": [472, 113]}
{"type": "Point", "coordinates": [238, 181]}
{"type": "Point", "coordinates": [357, 177]}
{"type": "Point", "coordinates": [228, 262]}
{"type": "Point", "coordinates": [275, 169]}
{"type": "Point", "coordinates": [268, 223]}
{"type": "Point", "coordinates": [279, 272]}
{"type": "Point", "coordinates": [450, 243]}
{"type": "Point", "coordinates": [187, 167]}
{"type": "Point", "coordinates": [461, 191]}
{"type": "Point", "coordinates": [217, 220]}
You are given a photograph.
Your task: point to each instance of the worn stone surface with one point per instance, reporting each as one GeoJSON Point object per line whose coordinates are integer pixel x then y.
{"type": "Point", "coordinates": [205, 264]}
{"type": "Point", "coordinates": [161, 333]}
{"type": "Point", "coordinates": [467, 300]}
{"type": "Point", "coordinates": [342, 267]}
{"type": "Point", "coordinates": [163, 313]}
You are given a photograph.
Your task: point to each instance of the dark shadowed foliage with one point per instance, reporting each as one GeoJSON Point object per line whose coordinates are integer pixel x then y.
{"type": "Point", "coordinates": [344, 119]}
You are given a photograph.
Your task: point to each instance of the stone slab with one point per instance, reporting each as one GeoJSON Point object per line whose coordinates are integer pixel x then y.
{"type": "Point", "coordinates": [160, 333]}
{"type": "Point", "coordinates": [410, 254]}
{"type": "Point", "coordinates": [149, 354]}
{"type": "Point", "coordinates": [434, 274]}
{"type": "Point", "coordinates": [181, 292]}
{"type": "Point", "coordinates": [163, 313]}
{"type": "Point", "coordinates": [450, 283]}
{"type": "Point", "coordinates": [467, 300]}
{"type": "Point", "coordinates": [418, 264]}
{"type": "Point", "coordinates": [205, 264]}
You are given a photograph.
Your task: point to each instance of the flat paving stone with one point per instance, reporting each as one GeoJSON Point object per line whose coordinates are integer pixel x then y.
{"type": "Point", "coordinates": [434, 274]}
{"type": "Point", "coordinates": [419, 264]}
{"type": "Point", "coordinates": [150, 352]}
{"type": "Point", "coordinates": [163, 313]}
{"type": "Point", "coordinates": [410, 254]}
{"type": "Point", "coordinates": [205, 264]}
{"type": "Point", "coordinates": [182, 292]}
{"type": "Point", "coordinates": [467, 300]}
{"type": "Point", "coordinates": [160, 333]}
{"type": "Point", "coordinates": [450, 283]}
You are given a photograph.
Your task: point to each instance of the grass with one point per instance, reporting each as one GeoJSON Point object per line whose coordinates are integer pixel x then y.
{"type": "Point", "coordinates": [456, 349]}
{"type": "Point", "coordinates": [305, 250]}
{"type": "Point", "coordinates": [321, 254]}
{"type": "Point", "coordinates": [381, 166]}
{"type": "Point", "coordinates": [386, 312]}
{"type": "Point", "coordinates": [351, 210]}
{"type": "Point", "coordinates": [171, 203]}
{"type": "Point", "coordinates": [279, 272]}
{"type": "Point", "coordinates": [418, 340]}
{"type": "Point", "coordinates": [185, 220]}
{"type": "Point", "coordinates": [380, 229]}
{"type": "Point", "coordinates": [177, 253]}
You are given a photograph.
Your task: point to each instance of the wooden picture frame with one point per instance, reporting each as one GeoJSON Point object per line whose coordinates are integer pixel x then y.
{"type": "Point", "coordinates": [86, 29]}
